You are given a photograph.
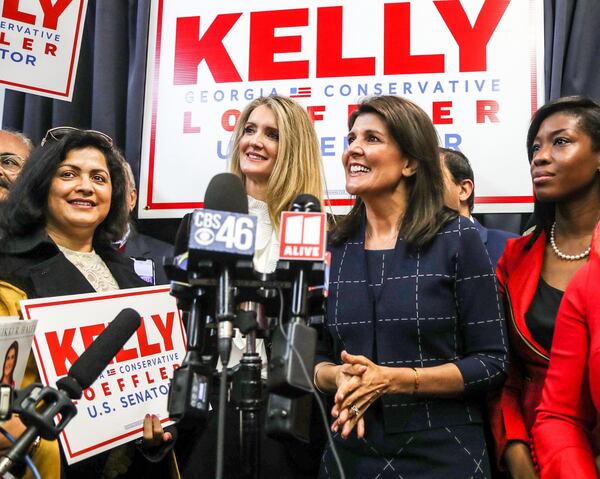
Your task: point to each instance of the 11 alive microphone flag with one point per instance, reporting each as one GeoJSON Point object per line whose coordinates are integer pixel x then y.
{"type": "Point", "coordinates": [223, 232]}
{"type": "Point", "coordinates": [302, 236]}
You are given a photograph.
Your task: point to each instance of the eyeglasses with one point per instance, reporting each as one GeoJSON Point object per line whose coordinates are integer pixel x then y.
{"type": "Point", "coordinates": [55, 134]}
{"type": "Point", "coordinates": [11, 163]}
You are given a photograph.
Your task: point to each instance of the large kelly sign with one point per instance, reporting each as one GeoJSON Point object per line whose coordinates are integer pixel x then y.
{"type": "Point", "coordinates": [476, 67]}
{"type": "Point", "coordinates": [134, 384]}
{"type": "Point", "coordinates": [39, 45]}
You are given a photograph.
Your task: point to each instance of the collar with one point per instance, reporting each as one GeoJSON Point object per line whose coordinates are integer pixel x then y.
{"type": "Point", "coordinates": [24, 244]}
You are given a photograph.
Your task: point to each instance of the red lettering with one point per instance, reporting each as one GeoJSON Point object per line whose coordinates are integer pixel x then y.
{"type": "Point", "coordinates": [52, 12]}
{"type": "Point", "coordinates": [226, 119]}
{"type": "Point", "coordinates": [50, 49]}
{"type": "Point", "coordinates": [190, 50]}
{"type": "Point", "coordinates": [315, 113]}
{"type": "Point", "coordinates": [89, 394]}
{"type": "Point", "coordinates": [11, 10]}
{"type": "Point", "coordinates": [352, 109]}
{"type": "Point", "coordinates": [187, 123]}
{"type": "Point", "coordinates": [135, 380]}
{"type": "Point", "coordinates": [88, 333]}
{"type": "Point", "coordinates": [487, 109]}
{"type": "Point", "coordinates": [397, 58]}
{"type": "Point", "coordinates": [148, 378]}
{"type": "Point", "coordinates": [27, 43]}
{"type": "Point", "coordinates": [121, 384]}
{"type": "Point", "coordinates": [126, 354]}
{"type": "Point", "coordinates": [472, 41]}
{"type": "Point", "coordinates": [264, 45]}
{"type": "Point", "coordinates": [61, 351]}
{"type": "Point", "coordinates": [106, 389]}
{"type": "Point", "coordinates": [146, 348]}
{"type": "Point", "coordinates": [165, 329]}
{"type": "Point", "coordinates": [330, 62]}
{"type": "Point", "coordinates": [163, 373]}
{"type": "Point", "coordinates": [3, 40]}
{"type": "Point", "coordinates": [440, 113]}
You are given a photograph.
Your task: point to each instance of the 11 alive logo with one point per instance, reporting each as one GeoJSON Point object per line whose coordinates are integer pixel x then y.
{"type": "Point", "coordinates": [222, 232]}
{"type": "Point", "coordinates": [302, 236]}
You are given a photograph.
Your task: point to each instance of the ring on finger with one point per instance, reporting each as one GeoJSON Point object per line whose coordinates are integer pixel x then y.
{"type": "Point", "coordinates": [354, 410]}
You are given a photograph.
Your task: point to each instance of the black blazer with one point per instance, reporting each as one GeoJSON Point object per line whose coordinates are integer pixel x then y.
{"type": "Point", "coordinates": [36, 265]}
{"type": "Point", "coordinates": [144, 246]}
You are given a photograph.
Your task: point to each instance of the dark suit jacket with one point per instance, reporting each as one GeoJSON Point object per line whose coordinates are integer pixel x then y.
{"type": "Point", "coordinates": [494, 240]}
{"type": "Point", "coordinates": [35, 265]}
{"type": "Point", "coordinates": [435, 306]}
{"type": "Point", "coordinates": [142, 246]}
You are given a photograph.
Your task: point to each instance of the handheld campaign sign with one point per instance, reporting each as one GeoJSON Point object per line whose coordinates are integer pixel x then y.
{"type": "Point", "coordinates": [134, 384]}
{"type": "Point", "coordinates": [222, 232]}
{"type": "Point", "coordinates": [302, 236]}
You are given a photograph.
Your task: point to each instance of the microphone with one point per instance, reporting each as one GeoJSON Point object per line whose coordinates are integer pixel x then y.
{"type": "Point", "coordinates": [100, 353]}
{"type": "Point", "coordinates": [302, 243]}
{"type": "Point", "coordinates": [223, 232]}
{"type": "Point", "coordinates": [38, 406]}
{"type": "Point", "coordinates": [302, 253]}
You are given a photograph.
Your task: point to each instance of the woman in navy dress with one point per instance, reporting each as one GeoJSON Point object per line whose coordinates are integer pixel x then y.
{"type": "Point", "coordinates": [414, 330]}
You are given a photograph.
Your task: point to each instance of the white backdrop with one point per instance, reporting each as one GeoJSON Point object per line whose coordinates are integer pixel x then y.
{"type": "Point", "coordinates": [457, 59]}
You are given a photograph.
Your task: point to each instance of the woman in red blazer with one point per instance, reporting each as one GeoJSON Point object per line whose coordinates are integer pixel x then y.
{"type": "Point", "coordinates": [563, 145]}
{"type": "Point", "coordinates": [571, 398]}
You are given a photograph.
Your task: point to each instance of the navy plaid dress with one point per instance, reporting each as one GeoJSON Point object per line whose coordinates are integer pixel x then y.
{"type": "Point", "coordinates": [438, 305]}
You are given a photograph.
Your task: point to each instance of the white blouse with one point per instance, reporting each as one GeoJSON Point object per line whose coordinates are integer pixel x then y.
{"type": "Point", "coordinates": [93, 268]}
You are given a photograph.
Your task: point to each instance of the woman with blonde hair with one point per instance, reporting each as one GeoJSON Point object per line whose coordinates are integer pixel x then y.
{"type": "Point", "coordinates": [276, 153]}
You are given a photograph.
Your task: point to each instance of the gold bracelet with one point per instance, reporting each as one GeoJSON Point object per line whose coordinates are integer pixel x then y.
{"type": "Point", "coordinates": [417, 381]}
{"type": "Point", "coordinates": [315, 379]}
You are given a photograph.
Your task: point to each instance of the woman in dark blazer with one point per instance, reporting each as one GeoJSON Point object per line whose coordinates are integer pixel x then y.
{"type": "Point", "coordinates": [413, 316]}
{"type": "Point", "coordinates": [56, 229]}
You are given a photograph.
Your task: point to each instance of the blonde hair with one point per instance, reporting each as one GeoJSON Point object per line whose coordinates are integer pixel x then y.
{"type": "Point", "coordinates": [297, 167]}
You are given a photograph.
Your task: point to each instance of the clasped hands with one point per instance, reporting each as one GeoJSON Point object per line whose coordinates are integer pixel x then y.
{"type": "Point", "coordinates": [359, 383]}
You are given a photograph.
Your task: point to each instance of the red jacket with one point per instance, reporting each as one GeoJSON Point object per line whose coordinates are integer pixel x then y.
{"type": "Point", "coordinates": [513, 409]}
{"type": "Point", "coordinates": [571, 396]}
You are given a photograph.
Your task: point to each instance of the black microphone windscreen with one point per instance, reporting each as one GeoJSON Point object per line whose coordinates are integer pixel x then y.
{"type": "Point", "coordinates": [106, 346]}
{"type": "Point", "coordinates": [226, 192]}
{"type": "Point", "coordinates": [306, 203]}
{"type": "Point", "coordinates": [182, 237]}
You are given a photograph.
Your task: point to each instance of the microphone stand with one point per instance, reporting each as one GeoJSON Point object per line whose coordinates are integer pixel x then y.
{"type": "Point", "coordinates": [247, 390]}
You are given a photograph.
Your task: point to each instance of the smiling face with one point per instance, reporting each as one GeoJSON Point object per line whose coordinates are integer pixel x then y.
{"type": "Point", "coordinates": [259, 145]}
{"type": "Point", "coordinates": [80, 193]}
{"type": "Point", "coordinates": [373, 162]}
{"type": "Point", "coordinates": [563, 165]}
{"type": "Point", "coordinates": [9, 362]}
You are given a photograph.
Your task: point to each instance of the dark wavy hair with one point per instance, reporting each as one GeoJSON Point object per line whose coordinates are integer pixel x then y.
{"type": "Point", "coordinates": [415, 136]}
{"type": "Point", "coordinates": [26, 208]}
{"type": "Point", "coordinates": [14, 345]}
{"type": "Point", "coordinates": [587, 113]}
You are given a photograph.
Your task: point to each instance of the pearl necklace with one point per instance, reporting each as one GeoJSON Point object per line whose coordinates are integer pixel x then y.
{"type": "Point", "coordinates": [560, 254]}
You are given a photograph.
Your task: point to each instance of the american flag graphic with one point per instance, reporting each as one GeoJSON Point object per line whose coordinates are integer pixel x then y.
{"type": "Point", "coordinates": [300, 92]}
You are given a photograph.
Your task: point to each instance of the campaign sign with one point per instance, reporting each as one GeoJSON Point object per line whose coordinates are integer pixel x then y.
{"type": "Point", "coordinates": [16, 337]}
{"type": "Point", "coordinates": [476, 67]}
{"type": "Point", "coordinates": [135, 383]}
{"type": "Point", "coordinates": [39, 45]}
{"type": "Point", "coordinates": [222, 232]}
{"type": "Point", "coordinates": [302, 236]}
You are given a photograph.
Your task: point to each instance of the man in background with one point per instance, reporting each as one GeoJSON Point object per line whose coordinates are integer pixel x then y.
{"type": "Point", "coordinates": [146, 252]}
{"type": "Point", "coordinates": [15, 148]}
{"type": "Point", "coordinates": [459, 185]}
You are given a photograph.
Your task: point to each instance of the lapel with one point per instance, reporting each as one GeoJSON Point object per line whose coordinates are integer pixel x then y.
{"type": "Point", "coordinates": [522, 284]}
{"type": "Point", "coordinates": [483, 232]}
